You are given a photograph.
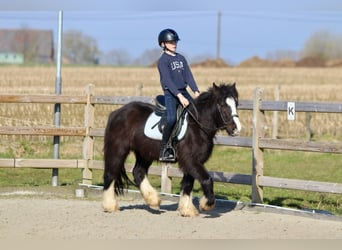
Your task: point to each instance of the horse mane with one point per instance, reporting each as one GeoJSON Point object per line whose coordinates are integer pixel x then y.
{"type": "Point", "coordinates": [217, 93]}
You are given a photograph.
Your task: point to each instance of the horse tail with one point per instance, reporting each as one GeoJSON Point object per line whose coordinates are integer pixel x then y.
{"type": "Point", "coordinates": [116, 150]}
{"type": "Point", "coordinates": [122, 182]}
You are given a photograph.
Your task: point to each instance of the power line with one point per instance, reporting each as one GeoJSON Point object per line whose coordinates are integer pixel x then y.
{"type": "Point", "coordinates": [294, 16]}
{"type": "Point", "coordinates": [101, 15]}
{"type": "Point", "coordinates": [300, 16]}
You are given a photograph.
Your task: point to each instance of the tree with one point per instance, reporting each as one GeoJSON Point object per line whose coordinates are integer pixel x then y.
{"type": "Point", "coordinates": [148, 57]}
{"type": "Point", "coordinates": [28, 45]}
{"type": "Point", "coordinates": [323, 45]}
{"type": "Point", "coordinates": [278, 55]}
{"type": "Point", "coordinates": [80, 48]}
{"type": "Point", "coordinates": [116, 57]}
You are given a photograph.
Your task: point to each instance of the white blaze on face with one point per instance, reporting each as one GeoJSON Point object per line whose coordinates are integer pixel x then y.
{"type": "Point", "coordinates": [231, 103]}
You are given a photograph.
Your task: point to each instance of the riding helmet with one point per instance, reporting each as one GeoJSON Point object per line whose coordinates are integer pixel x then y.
{"type": "Point", "coordinates": [167, 35]}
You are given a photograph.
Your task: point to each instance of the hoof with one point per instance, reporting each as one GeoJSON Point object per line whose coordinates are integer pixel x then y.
{"type": "Point", "coordinates": [186, 208]}
{"type": "Point", "coordinates": [150, 195]}
{"type": "Point", "coordinates": [110, 207]}
{"type": "Point", "coordinates": [189, 212]}
{"type": "Point", "coordinates": [157, 207]}
{"type": "Point", "coordinates": [109, 203]}
{"type": "Point", "coordinates": [203, 204]}
{"type": "Point", "coordinates": [153, 201]}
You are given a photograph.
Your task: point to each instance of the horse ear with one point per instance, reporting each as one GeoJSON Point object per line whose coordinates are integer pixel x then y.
{"type": "Point", "coordinates": [214, 85]}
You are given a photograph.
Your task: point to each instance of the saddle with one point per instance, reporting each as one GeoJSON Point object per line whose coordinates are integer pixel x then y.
{"type": "Point", "coordinates": [156, 121]}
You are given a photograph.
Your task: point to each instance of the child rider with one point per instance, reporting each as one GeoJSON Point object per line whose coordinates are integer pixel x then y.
{"type": "Point", "coordinates": [175, 76]}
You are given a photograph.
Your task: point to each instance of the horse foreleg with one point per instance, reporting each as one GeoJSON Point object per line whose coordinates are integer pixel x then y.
{"type": "Point", "coordinates": [149, 194]}
{"type": "Point", "coordinates": [207, 202]}
{"type": "Point", "coordinates": [109, 202]}
{"type": "Point", "coordinates": [185, 206]}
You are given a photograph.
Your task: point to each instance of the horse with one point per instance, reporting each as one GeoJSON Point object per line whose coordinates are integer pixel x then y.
{"type": "Point", "coordinates": [214, 110]}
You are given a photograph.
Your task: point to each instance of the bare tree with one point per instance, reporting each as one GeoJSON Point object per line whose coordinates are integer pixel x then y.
{"type": "Point", "coordinates": [148, 57]}
{"type": "Point", "coordinates": [27, 44]}
{"type": "Point", "coordinates": [278, 55]}
{"type": "Point", "coordinates": [323, 45]}
{"type": "Point", "coordinates": [117, 57]}
{"type": "Point", "coordinates": [80, 48]}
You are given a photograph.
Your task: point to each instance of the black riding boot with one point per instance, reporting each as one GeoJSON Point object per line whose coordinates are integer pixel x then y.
{"type": "Point", "coordinates": [167, 152]}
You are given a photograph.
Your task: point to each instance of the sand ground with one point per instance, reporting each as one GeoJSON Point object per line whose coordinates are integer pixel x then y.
{"type": "Point", "coordinates": [51, 214]}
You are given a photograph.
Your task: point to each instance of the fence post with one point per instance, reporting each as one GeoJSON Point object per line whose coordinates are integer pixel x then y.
{"type": "Point", "coordinates": [257, 152]}
{"type": "Point", "coordinates": [166, 181]}
{"type": "Point", "coordinates": [309, 132]}
{"type": "Point", "coordinates": [138, 89]}
{"type": "Point", "coordinates": [275, 113]}
{"type": "Point", "coordinates": [88, 142]}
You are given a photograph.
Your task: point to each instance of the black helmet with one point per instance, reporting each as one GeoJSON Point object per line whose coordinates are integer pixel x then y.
{"type": "Point", "coordinates": [167, 35]}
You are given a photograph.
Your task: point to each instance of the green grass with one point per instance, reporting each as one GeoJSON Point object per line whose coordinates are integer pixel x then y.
{"type": "Point", "coordinates": [283, 164]}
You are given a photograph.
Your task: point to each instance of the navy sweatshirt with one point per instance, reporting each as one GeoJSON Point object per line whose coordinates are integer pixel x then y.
{"type": "Point", "coordinates": [175, 74]}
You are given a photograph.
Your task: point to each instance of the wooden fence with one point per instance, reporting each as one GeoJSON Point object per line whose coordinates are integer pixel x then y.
{"type": "Point", "coordinates": [257, 142]}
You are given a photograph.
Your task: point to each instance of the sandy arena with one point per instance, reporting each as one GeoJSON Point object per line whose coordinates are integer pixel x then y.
{"type": "Point", "coordinates": [37, 213]}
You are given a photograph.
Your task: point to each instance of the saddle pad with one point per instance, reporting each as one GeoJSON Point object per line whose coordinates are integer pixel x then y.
{"type": "Point", "coordinates": [151, 128]}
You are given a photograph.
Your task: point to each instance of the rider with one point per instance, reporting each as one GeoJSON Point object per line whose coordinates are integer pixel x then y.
{"type": "Point", "coordinates": [175, 76]}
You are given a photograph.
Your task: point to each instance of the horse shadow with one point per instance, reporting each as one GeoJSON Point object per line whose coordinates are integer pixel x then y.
{"type": "Point", "coordinates": [161, 210]}
{"type": "Point", "coordinates": [221, 207]}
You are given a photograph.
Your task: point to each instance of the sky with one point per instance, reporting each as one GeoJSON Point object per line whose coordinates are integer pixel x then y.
{"type": "Point", "coordinates": [248, 28]}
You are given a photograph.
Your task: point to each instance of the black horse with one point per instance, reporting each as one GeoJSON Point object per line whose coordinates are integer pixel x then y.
{"type": "Point", "coordinates": [212, 111]}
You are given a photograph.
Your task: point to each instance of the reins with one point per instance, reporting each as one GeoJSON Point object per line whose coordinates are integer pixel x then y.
{"type": "Point", "coordinates": [201, 126]}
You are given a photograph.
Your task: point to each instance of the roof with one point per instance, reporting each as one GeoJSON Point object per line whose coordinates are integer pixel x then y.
{"type": "Point", "coordinates": [24, 40]}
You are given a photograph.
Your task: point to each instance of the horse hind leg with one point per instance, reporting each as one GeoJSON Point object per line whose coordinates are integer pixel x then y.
{"type": "Point", "coordinates": [111, 177]}
{"type": "Point", "coordinates": [109, 202]}
{"type": "Point", "coordinates": [114, 176]}
{"type": "Point", "coordinates": [150, 194]}
{"type": "Point", "coordinates": [185, 206]}
{"type": "Point", "coordinates": [115, 179]}
{"type": "Point", "coordinates": [207, 202]}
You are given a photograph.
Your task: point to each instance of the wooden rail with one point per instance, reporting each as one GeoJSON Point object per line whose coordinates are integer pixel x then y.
{"type": "Point", "coordinates": [257, 142]}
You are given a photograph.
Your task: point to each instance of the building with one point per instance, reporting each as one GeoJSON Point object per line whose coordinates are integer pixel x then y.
{"type": "Point", "coordinates": [11, 58]}
{"type": "Point", "coordinates": [26, 46]}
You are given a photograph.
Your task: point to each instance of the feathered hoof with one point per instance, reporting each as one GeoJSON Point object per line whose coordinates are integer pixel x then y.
{"type": "Point", "coordinates": [155, 207]}
{"type": "Point", "coordinates": [187, 209]}
{"type": "Point", "coordinates": [110, 207]}
{"type": "Point", "coordinates": [189, 212]}
{"type": "Point", "coordinates": [203, 204]}
{"type": "Point", "coordinates": [153, 202]}
{"type": "Point", "coordinates": [185, 206]}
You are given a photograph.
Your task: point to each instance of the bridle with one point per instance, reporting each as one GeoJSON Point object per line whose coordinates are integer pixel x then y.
{"type": "Point", "coordinates": [222, 118]}
{"type": "Point", "coordinates": [205, 129]}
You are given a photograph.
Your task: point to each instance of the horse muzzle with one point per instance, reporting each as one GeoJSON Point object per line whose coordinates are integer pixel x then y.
{"type": "Point", "coordinates": [237, 127]}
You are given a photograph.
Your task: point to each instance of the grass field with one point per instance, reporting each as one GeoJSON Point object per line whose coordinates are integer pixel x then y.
{"type": "Point", "coordinates": [304, 84]}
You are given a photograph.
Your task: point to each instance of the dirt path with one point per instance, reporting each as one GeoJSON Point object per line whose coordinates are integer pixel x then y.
{"type": "Point", "coordinates": [29, 215]}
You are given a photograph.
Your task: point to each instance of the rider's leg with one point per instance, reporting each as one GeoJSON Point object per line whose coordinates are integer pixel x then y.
{"type": "Point", "coordinates": [171, 115]}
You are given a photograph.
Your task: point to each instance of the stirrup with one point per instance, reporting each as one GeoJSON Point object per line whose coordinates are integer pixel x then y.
{"type": "Point", "coordinates": [168, 155]}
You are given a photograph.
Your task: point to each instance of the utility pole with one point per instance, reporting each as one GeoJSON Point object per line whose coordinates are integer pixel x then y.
{"type": "Point", "coordinates": [218, 41]}
{"type": "Point", "coordinates": [58, 91]}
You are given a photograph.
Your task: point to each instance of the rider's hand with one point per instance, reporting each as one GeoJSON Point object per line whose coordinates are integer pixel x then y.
{"type": "Point", "coordinates": [197, 93]}
{"type": "Point", "coordinates": [184, 101]}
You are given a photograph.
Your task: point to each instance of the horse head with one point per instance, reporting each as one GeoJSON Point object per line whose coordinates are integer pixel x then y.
{"type": "Point", "coordinates": [227, 99]}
